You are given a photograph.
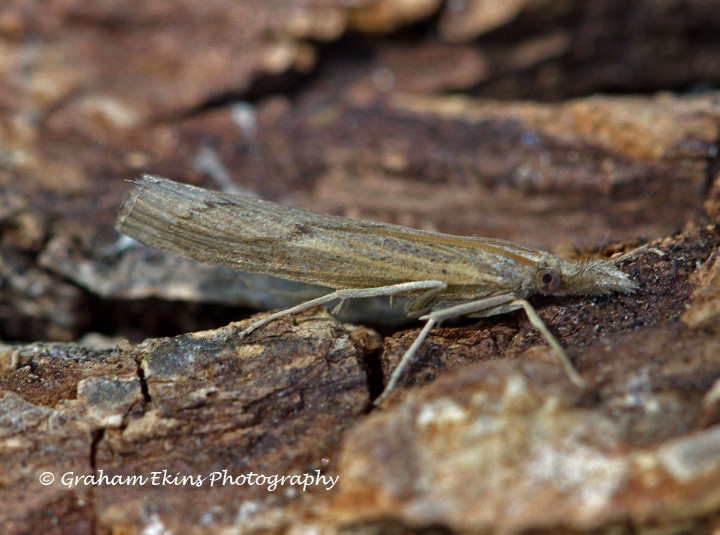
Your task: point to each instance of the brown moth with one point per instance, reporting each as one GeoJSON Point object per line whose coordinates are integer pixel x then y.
{"type": "Point", "coordinates": [444, 276]}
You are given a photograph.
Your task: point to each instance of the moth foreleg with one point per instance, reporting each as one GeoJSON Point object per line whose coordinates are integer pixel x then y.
{"type": "Point", "coordinates": [539, 324]}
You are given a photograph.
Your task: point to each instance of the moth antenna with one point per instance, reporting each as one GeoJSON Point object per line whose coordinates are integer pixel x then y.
{"type": "Point", "coordinates": [636, 252]}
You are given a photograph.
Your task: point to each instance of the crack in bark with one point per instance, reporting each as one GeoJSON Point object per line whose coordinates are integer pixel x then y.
{"type": "Point", "coordinates": [144, 389]}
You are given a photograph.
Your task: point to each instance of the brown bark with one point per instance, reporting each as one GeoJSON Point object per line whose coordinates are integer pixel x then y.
{"type": "Point", "coordinates": [407, 112]}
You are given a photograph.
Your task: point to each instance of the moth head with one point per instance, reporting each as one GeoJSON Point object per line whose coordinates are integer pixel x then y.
{"type": "Point", "coordinates": [582, 277]}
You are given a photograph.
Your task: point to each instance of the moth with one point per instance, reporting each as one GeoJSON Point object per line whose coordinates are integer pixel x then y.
{"type": "Point", "coordinates": [444, 276]}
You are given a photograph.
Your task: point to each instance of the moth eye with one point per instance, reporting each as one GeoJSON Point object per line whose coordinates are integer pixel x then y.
{"type": "Point", "coordinates": [548, 280]}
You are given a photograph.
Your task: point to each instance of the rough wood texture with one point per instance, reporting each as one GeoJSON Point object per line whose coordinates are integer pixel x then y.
{"type": "Point", "coordinates": [186, 406]}
{"type": "Point", "coordinates": [407, 112]}
{"type": "Point", "coordinates": [506, 446]}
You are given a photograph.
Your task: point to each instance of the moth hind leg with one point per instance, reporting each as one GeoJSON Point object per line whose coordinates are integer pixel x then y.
{"type": "Point", "coordinates": [349, 293]}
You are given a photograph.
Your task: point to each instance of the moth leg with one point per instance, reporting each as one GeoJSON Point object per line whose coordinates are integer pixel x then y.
{"type": "Point", "coordinates": [404, 361]}
{"type": "Point", "coordinates": [515, 304]}
{"type": "Point", "coordinates": [503, 302]}
{"type": "Point", "coordinates": [435, 318]}
{"type": "Point", "coordinates": [351, 293]}
{"type": "Point", "coordinates": [336, 309]}
{"type": "Point", "coordinates": [539, 324]}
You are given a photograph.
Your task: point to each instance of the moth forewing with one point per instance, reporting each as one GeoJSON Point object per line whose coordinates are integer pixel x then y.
{"type": "Point", "coordinates": [262, 237]}
{"type": "Point", "coordinates": [444, 275]}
